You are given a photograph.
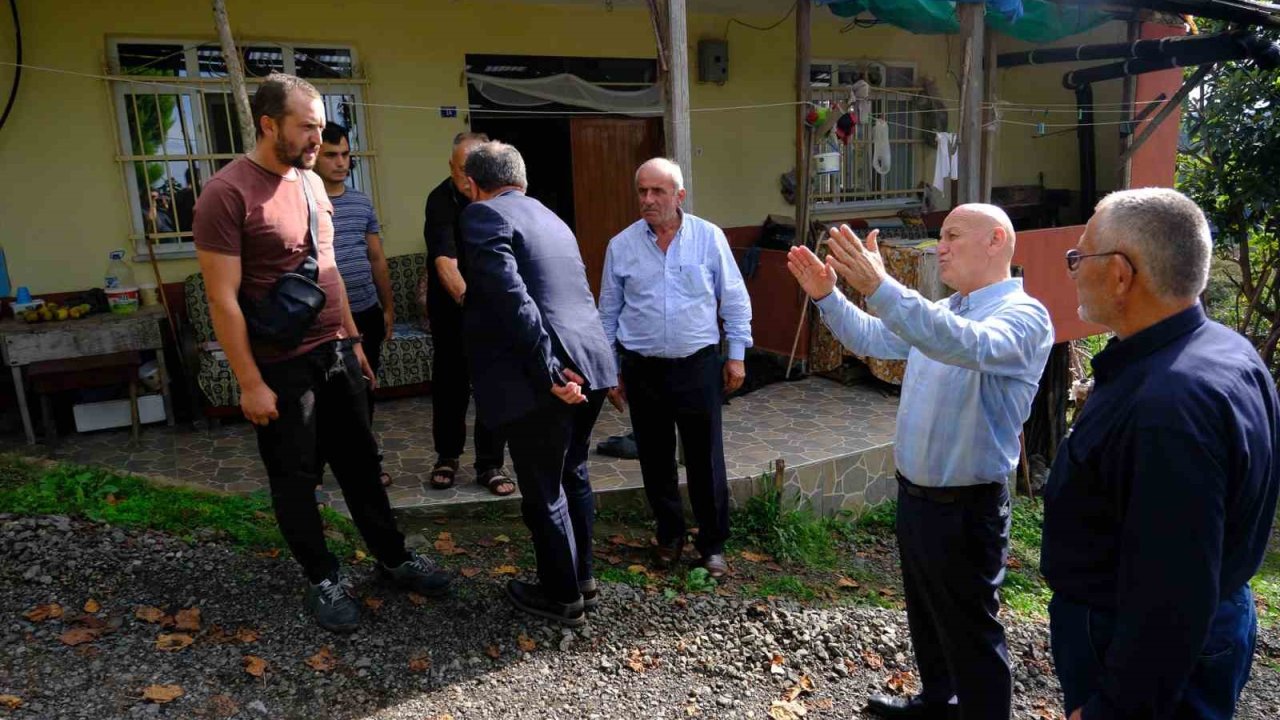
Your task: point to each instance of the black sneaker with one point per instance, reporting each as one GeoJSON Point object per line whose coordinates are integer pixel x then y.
{"type": "Point", "coordinates": [530, 598]}
{"type": "Point", "coordinates": [590, 590]}
{"type": "Point", "coordinates": [419, 575]}
{"type": "Point", "coordinates": [333, 605]}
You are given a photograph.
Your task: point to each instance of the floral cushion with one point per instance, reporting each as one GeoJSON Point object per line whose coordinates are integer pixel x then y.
{"type": "Point", "coordinates": [406, 359]}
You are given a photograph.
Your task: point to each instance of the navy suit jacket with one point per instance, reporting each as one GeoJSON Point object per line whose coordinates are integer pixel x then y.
{"type": "Point", "coordinates": [528, 311]}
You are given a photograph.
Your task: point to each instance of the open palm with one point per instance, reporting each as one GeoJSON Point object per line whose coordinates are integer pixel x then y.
{"type": "Point", "coordinates": [816, 278]}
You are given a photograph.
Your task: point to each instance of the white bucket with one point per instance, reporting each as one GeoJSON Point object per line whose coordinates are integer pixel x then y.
{"type": "Point", "coordinates": [827, 163]}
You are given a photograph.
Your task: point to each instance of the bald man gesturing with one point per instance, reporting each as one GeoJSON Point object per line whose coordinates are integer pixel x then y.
{"type": "Point", "coordinates": [973, 365]}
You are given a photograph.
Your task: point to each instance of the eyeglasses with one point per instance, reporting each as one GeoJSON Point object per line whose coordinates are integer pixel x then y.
{"type": "Point", "coordinates": [1075, 256]}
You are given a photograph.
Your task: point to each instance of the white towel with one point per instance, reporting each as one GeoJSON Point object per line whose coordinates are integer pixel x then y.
{"type": "Point", "coordinates": [946, 161]}
{"type": "Point", "coordinates": [881, 161]}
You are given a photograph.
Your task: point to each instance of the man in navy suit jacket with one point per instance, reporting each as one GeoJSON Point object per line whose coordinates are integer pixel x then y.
{"type": "Point", "coordinates": [541, 367]}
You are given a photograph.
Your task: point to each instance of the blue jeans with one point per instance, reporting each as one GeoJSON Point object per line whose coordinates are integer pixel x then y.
{"type": "Point", "coordinates": [1080, 636]}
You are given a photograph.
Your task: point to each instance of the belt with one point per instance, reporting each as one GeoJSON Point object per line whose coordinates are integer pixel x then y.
{"type": "Point", "coordinates": [633, 355]}
{"type": "Point", "coordinates": [945, 495]}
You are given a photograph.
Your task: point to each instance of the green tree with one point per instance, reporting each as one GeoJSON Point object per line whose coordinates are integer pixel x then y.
{"type": "Point", "coordinates": [1229, 163]}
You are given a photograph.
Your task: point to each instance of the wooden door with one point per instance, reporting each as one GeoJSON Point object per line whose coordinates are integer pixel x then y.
{"type": "Point", "coordinates": [606, 153]}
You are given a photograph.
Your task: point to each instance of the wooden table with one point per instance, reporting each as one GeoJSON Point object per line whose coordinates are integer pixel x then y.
{"type": "Point", "coordinates": [102, 334]}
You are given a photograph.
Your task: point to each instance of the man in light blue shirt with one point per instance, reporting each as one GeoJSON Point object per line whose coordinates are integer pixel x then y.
{"type": "Point", "coordinates": [669, 280]}
{"type": "Point", "coordinates": [973, 366]}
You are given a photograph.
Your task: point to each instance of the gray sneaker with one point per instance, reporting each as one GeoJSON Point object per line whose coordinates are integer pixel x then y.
{"type": "Point", "coordinates": [419, 575]}
{"type": "Point", "coordinates": [590, 590]}
{"type": "Point", "coordinates": [333, 605]}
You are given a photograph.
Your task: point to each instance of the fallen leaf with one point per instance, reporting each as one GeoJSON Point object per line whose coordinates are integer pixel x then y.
{"type": "Point", "coordinates": [444, 546]}
{"type": "Point", "coordinates": [792, 693]}
{"type": "Point", "coordinates": [245, 635]}
{"type": "Point", "coordinates": [254, 665]}
{"type": "Point", "coordinates": [170, 642]}
{"type": "Point", "coordinates": [417, 599]}
{"type": "Point", "coordinates": [91, 606]}
{"type": "Point", "coordinates": [40, 613]}
{"type": "Point", "coordinates": [77, 636]}
{"type": "Point", "coordinates": [360, 555]}
{"type": "Point", "coordinates": [445, 537]}
{"type": "Point", "coordinates": [149, 614]}
{"type": "Point", "coordinates": [420, 663]}
{"type": "Point", "coordinates": [500, 539]}
{"type": "Point", "coordinates": [691, 709]}
{"type": "Point", "coordinates": [505, 570]}
{"type": "Point", "coordinates": [469, 572]}
{"type": "Point", "coordinates": [322, 661]}
{"type": "Point", "coordinates": [1013, 563]}
{"type": "Point", "coordinates": [821, 704]}
{"type": "Point", "coordinates": [188, 619]}
{"type": "Point", "coordinates": [755, 557]}
{"type": "Point", "coordinates": [773, 566]}
{"type": "Point", "coordinates": [786, 710]}
{"type": "Point", "coordinates": [223, 706]}
{"type": "Point", "coordinates": [270, 554]}
{"type": "Point", "coordinates": [493, 651]}
{"type": "Point", "coordinates": [778, 660]}
{"type": "Point", "coordinates": [618, 539]}
{"type": "Point", "coordinates": [87, 651]}
{"type": "Point", "coordinates": [845, 582]}
{"type": "Point", "coordinates": [93, 622]}
{"type": "Point", "coordinates": [261, 515]}
{"type": "Point", "coordinates": [873, 661]}
{"type": "Point", "coordinates": [486, 542]}
{"type": "Point", "coordinates": [162, 693]}
{"type": "Point", "coordinates": [526, 644]}
{"type": "Point", "coordinates": [111, 500]}
{"type": "Point", "coordinates": [886, 592]}
{"type": "Point", "coordinates": [611, 559]}
{"type": "Point", "coordinates": [635, 661]}
{"type": "Point", "coordinates": [10, 702]}
{"type": "Point", "coordinates": [902, 682]}
{"type": "Point", "coordinates": [806, 684]}
{"type": "Point", "coordinates": [637, 570]}
{"type": "Point", "coordinates": [373, 603]}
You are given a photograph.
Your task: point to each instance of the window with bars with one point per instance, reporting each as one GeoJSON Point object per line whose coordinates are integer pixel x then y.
{"type": "Point", "coordinates": [177, 123]}
{"type": "Point", "coordinates": [893, 95]}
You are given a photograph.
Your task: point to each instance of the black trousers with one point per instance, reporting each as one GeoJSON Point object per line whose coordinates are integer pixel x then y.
{"type": "Point", "coordinates": [373, 327]}
{"type": "Point", "coordinates": [549, 452]}
{"type": "Point", "coordinates": [451, 394]}
{"type": "Point", "coordinates": [682, 395]}
{"type": "Point", "coordinates": [322, 401]}
{"type": "Point", "coordinates": [953, 547]}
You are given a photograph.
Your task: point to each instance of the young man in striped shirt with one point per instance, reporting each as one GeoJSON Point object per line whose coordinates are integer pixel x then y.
{"type": "Point", "coordinates": [358, 249]}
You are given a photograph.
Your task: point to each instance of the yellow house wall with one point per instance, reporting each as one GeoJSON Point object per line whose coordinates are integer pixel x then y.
{"type": "Point", "coordinates": [62, 203]}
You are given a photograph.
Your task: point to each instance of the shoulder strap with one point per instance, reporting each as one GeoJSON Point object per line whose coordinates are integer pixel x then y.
{"type": "Point", "coordinates": [313, 215]}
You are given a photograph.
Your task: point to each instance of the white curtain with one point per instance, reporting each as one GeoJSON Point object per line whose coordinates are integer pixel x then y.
{"type": "Point", "coordinates": [567, 89]}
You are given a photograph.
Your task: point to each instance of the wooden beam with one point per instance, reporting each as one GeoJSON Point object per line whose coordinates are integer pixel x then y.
{"type": "Point", "coordinates": [803, 151]}
{"type": "Point", "coordinates": [235, 72]}
{"type": "Point", "coordinates": [675, 87]}
{"type": "Point", "coordinates": [990, 126]}
{"type": "Point", "coordinates": [1166, 110]}
{"type": "Point", "coordinates": [1128, 95]}
{"type": "Point", "coordinates": [972, 30]}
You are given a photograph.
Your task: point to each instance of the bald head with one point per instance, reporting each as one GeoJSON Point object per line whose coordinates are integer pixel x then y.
{"type": "Point", "coordinates": [986, 218]}
{"type": "Point", "coordinates": [976, 247]}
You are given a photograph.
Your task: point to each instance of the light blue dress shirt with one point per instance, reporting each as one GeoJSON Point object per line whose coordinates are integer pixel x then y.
{"type": "Point", "coordinates": [973, 367]}
{"type": "Point", "coordinates": [665, 304]}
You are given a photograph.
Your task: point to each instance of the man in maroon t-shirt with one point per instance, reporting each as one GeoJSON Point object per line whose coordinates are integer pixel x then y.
{"type": "Point", "coordinates": [251, 226]}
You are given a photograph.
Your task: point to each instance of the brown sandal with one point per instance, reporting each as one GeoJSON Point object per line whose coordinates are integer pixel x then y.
{"type": "Point", "coordinates": [442, 475]}
{"type": "Point", "coordinates": [494, 480]}
{"type": "Point", "coordinates": [385, 477]}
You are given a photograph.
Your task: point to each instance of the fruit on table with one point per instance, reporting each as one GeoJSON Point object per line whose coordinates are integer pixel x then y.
{"type": "Point", "coordinates": [62, 314]}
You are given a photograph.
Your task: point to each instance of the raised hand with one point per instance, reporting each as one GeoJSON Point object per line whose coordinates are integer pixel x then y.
{"type": "Point", "coordinates": [816, 278]}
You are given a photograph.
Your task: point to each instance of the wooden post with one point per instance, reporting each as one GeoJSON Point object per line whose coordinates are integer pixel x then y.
{"type": "Point", "coordinates": [1128, 95]}
{"type": "Point", "coordinates": [675, 89]}
{"type": "Point", "coordinates": [972, 30]}
{"type": "Point", "coordinates": [803, 40]}
{"type": "Point", "coordinates": [990, 127]}
{"type": "Point", "coordinates": [235, 72]}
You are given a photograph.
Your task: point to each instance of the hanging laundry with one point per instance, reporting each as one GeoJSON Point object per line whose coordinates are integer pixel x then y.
{"type": "Point", "coordinates": [862, 101]}
{"type": "Point", "coordinates": [946, 162]}
{"type": "Point", "coordinates": [881, 161]}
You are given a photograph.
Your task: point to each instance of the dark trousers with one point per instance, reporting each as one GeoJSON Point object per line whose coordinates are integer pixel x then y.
{"type": "Point", "coordinates": [322, 401]}
{"type": "Point", "coordinates": [373, 327]}
{"type": "Point", "coordinates": [682, 395]}
{"type": "Point", "coordinates": [549, 452]}
{"type": "Point", "coordinates": [451, 394]}
{"type": "Point", "coordinates": [1080, 636]}
{"type": "Point", "coordinates": [953, 546]}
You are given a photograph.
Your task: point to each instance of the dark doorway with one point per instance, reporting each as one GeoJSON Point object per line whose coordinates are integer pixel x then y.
{"type": "Point", "coordinates": [548, 159]}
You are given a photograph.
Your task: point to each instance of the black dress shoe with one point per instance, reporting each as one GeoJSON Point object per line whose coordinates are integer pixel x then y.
{"type": "Point", "coordinates": [668, 556]}
{"type": "Point", "coordinates": [907, 708]}
{"type": "Point", "coordinates": [530, 598]}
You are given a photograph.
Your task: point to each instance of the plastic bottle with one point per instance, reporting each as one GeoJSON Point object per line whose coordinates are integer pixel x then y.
{"type": "Point", "coordinates": [121, 290]}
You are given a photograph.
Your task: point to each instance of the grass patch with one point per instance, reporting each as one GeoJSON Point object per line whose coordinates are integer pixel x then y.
{"type": "Point", "coordinates": [790, 534]}
{"type": "Point", "coordinates": [783, 586]}
{"type": "Point", "coordinates": [1024, 591]}
{"type": "Point", "coordinates": [1266, 584]}
{"type": "Point", "coordinates": [246, 522]}
{"type": "Point", "coordinates": [625, 577]}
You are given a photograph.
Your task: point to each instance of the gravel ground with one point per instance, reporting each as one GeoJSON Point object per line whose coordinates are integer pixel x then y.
{"type": "Point", "coordinates": [644, 655]}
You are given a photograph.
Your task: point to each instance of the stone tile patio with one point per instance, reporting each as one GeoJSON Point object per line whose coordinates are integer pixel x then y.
{"type": "Point", "coordinates": [836, 442]}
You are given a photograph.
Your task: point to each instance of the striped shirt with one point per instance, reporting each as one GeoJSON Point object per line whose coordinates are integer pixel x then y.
{"type": "Point", "coordinates": [973, 368]}
{"type": "Point", "coordinates": [353, 221]}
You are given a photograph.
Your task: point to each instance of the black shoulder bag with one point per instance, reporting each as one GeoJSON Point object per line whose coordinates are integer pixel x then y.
{"type": "Point", "coordinates": [289, 309]}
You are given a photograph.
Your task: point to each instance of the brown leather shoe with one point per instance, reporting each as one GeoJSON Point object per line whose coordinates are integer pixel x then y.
{"type": "Point", "coordinates": [716, 565]}
{"type": "Point", "coordinates": [668, 556]}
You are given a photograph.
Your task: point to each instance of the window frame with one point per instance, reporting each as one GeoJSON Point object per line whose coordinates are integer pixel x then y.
{"type": "Point", "coordinates": [191, 90]}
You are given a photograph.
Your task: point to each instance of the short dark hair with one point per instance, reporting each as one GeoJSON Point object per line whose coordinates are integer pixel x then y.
{"type": "Point", "coordinates": [334, 133]}
{"type": "Point", "coordinates": [496, 164]}
{"type": "Point", "coordinates": [272, 98]}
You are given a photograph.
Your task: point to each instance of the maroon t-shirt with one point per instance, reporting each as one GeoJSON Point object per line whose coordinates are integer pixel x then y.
{"type": "Point", "coordinates": [250, 212]}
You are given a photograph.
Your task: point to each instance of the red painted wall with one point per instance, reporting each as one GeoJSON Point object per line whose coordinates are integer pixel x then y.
{"type": "Point", "coordinates": [776, 298]}
{"type": "Point", "coordinates": [1045, 277]}
{"type": "Point", "coordinates": [1154, 163]}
